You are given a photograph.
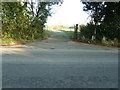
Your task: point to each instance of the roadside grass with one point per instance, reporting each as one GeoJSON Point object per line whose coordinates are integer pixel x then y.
{"type": "Point", "coordinates": [69, 33]}
{"type": "Point", "coordinates": [109, 43]}
{"type": "Point", "coordinates": [6, 41]}
{"type": "Point", "coordinates": [47, 33]}
{"type": "Point", "coordinates": [10, 41]}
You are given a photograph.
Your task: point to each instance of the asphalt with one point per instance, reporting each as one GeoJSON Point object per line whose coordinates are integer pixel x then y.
{"type": "Point", "coordinates": [58, 62]}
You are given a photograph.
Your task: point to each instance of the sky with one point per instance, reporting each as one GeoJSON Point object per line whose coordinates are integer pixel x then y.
{"type": "Point", "coordinates": [69, 13]}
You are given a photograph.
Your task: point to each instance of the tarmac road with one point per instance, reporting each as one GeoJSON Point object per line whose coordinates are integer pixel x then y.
{"type": "Point", "coordinates": [59, 63]}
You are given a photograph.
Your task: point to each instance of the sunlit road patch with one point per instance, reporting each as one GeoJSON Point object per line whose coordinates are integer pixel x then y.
{"type": "Point", "coordinates": [59, 64]}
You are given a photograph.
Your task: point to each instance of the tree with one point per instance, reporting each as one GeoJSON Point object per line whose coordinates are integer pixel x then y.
{"type": "Point", "coordinates": [14, 19]}
{"type": "Point", "coordinates": [106, 15]}
{"type": "Point", "coordinates": [25, 20]}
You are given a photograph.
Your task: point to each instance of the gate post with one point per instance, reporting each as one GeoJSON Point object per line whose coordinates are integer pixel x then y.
{"type": "Point", "coordinates": [76, 32]}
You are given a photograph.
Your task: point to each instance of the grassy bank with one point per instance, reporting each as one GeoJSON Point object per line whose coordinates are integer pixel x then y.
{"type": "Point", "coordinates": [5, 42]}
{"type": "Point", "coordinates": [69, 33]}
{"type": "Point", "coordinates": [10, 41]}
{"type": "Point", "coordinates": [47, 33]}
{"type": "Point", "coordinates": [110, 43]}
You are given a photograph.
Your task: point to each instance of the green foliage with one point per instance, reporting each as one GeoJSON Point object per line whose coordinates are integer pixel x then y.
{"type": "Point", "coordinates": [111, 37]}
{"type": "Point", "coordinates": [112, 29]}
{"type": "Point", "coordinates": [24, 20]}
{"type": "Point", "coordinates": [87, 31]}
{"type": "Point", "coordinates": [15, 22]}
{"type": "Point", "coordinates": [105, 22]}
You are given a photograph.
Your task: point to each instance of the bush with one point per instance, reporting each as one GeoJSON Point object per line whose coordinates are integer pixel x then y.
{"type": "Point", "coordinates": [103, 30]}
{"type": "Point", "coordinates": [86, 32]}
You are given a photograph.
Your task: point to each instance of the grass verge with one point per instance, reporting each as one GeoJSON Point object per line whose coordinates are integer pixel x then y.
{"type": "Point", "coordinates": [10, 41]}
{"type": "Point", "coordinates": [47, 33]}
{"type": "Point", "coordinates": [103, 43]}
{"type": "Point", "coordinates": [69, 33]}
{"type": "Point", "coordinates": [6, 42]}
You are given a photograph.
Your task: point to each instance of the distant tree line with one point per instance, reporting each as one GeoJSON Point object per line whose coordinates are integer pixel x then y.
{"type": "Point", "coordinates": [104, 24]}
{"type": "Point", "coordinates": [57, 27]}
{"type": "Point", "coordinates": [25, 20]}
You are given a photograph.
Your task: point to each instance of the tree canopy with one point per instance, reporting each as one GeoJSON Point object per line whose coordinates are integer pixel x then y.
{"type": "Point", "coordinates": [106, 18]}
{"type": "Point", "coordinates": [25, 20]}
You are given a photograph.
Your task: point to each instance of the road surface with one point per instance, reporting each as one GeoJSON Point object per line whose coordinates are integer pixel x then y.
{"type": "Point", "coordinates": [59, 63]}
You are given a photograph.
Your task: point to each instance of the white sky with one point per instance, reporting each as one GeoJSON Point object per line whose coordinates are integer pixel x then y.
{"type": "Point", "coordinates": [69, 13]}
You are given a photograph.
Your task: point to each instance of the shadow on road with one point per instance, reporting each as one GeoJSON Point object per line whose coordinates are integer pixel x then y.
{"type": "Point", "coordinates": [58, 62]}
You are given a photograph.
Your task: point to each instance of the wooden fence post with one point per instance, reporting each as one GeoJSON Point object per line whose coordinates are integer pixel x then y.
{"type": "Point", "coordinates": [76, 32]}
